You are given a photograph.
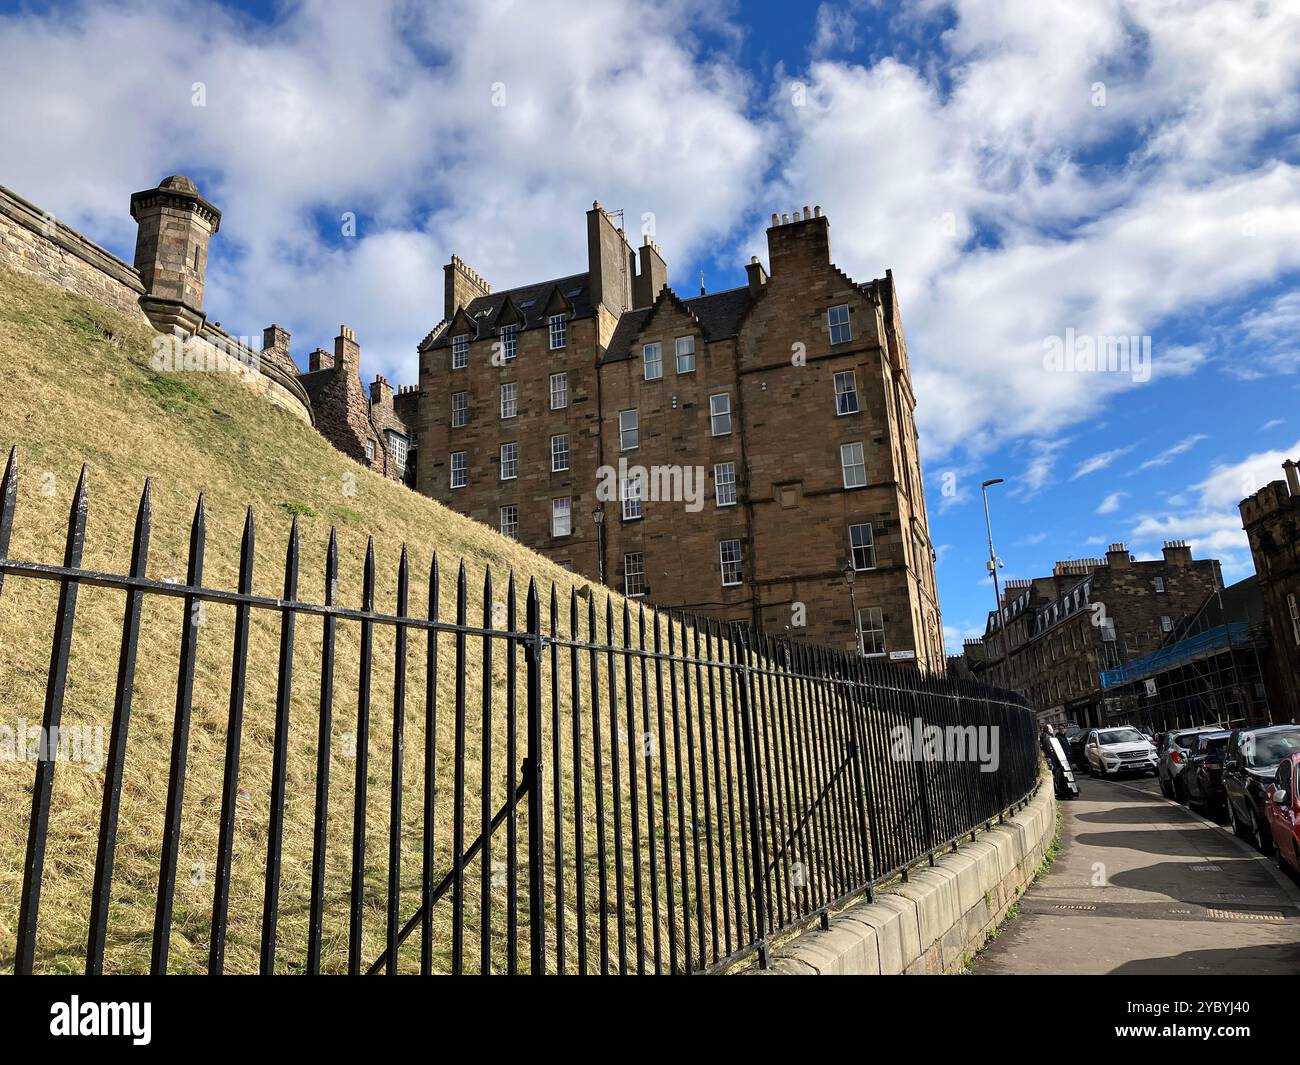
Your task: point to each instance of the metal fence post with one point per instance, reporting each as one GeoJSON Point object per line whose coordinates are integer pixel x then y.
{"type": "Point", "coordinates": [751, 791]}
{"type": "Point", "coordinates": [536, 872]}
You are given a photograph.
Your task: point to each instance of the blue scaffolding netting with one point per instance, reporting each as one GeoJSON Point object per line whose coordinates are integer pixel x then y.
{"type": "Point", "coordinates": [1177, 654]}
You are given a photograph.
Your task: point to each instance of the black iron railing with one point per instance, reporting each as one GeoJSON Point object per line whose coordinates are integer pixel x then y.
{"type": "Point", "coordinates": [687, 790]}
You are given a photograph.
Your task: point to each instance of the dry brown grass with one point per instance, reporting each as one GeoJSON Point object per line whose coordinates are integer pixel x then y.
{"type": "Point", "coordinates": [80, 390]}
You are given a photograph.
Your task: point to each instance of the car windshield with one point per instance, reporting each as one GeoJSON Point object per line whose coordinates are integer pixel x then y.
{"type": "Point", "coordinates": [1119, 735]}
{"type": "Point", "coordinates": [1214, 743]}
{"type": "Point", "coordinates": [1271, 747]}
{"type": "Point", "coordinates": [1188, 739]}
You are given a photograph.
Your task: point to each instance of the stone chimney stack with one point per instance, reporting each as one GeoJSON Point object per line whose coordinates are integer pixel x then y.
{"type": "Point", "coordinates": [171, 252]}
{"type": "Point", "coordinates": [1177, 553]}
{"type": "Point", "coordinates": [381, 392]}
{"type": "Point", "coordinates": [275, 338]}
{"type": "Point", "coordinates": [1117, 556]}
{"type": "Point", "coordinates": [1292, 477]}
{"type": "Point", "coordinates": [320, 359]}
{"type": "Point", "coordinates": [608, 258]}
{"type": "Point", "coordinates": [461, 285]}
{"type": "Point", "coordinates": [756, 274]}
{"type": "Point", "coordinates": [651, 277]}
{"type": "Point", "coordinates": [347, 352]}
{"type": "Point", "coordinates": [795, 244]}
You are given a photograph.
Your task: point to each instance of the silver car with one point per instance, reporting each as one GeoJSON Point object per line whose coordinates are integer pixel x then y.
{"type": "Point", "coordinates": [1175, 750]}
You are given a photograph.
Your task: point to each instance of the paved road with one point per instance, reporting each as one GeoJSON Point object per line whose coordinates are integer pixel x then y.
{"type": "Point", "coordinates": [1141, 885]}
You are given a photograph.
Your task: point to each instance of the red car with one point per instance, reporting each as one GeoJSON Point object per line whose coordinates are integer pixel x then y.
{"type": "Point", "coordinates": [1282, 808]}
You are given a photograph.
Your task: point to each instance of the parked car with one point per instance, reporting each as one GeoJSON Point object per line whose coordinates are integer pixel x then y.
{"type": "Point", "coordinates": [1118, 750]}
{"type": "Point", "coordinates": [1202, 781]}
{"type": "Point", "coordinates": [1280, 807]}
{"type": "Point", "coordinates": [1175, 749]}
{"type": "Point", "coordinates": [1249, 767]}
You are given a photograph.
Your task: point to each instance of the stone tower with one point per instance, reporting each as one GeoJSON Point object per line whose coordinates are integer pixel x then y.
{"type": "Point", "coordinates": [171, 252]}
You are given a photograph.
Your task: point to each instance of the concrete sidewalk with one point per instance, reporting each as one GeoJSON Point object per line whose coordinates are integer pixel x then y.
{"type": "Point", "coordinates": [1142, 885]}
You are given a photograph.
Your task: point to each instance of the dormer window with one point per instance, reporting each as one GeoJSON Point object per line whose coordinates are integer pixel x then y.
{"type": "Point", "coordinates": [460, 351]}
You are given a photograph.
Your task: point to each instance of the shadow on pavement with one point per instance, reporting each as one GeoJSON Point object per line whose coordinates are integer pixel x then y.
{"type": "Point", "coordinates": [1152, 841]}
{"type": "Point", "coordinates": [1135, 813]}
{"type": "Point", "coordinates": [1237, 876]}
{"type": "Point", "coordinates": [1258, 958]}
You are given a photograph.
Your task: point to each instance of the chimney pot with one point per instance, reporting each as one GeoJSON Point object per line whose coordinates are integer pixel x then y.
{"type": "Point", "coordinates": [1292, 477]}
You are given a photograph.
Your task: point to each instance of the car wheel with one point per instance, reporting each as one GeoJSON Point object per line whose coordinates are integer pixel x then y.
{"type": "Point", "coordinates": [1180, 791]}
{"type": "Point", "coordinates": [1165, 789]}
{"type": "Point", "coordinates": [1239, 828]}
{"type": "Point", "coordinates": [1263, 837]}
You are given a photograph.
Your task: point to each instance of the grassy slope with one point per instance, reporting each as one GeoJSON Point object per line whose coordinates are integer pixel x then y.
{"type": "Point", "coordinates": [79, 389]}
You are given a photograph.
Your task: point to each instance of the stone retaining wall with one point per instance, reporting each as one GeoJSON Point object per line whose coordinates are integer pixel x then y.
{"type": "Point", "coordinates": [936, 921]}
{"type": "Point", "coordinates": [35, 242]}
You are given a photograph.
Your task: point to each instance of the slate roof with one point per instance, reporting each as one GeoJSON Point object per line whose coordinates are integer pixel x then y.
{"type": "Point", "coordinates": [718, 314]}
{"type": "Point", "coordinates": [575, 288]}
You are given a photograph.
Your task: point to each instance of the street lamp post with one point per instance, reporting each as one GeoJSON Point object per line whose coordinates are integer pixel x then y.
{"type": "Point", "coordinates": [993, 569]}
{"type": "Point", "coordinates": [598, 518]}
{"type": "Point", "coordinates": [849, 575]}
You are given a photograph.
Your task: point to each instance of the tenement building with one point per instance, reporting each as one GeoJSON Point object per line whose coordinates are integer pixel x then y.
{"type": "Point", "coordinates": [748, 454]}
{"type": "Point", "coordinates": [1055, 636]}
{"type": "Point", "coordinates": [1271, 518]}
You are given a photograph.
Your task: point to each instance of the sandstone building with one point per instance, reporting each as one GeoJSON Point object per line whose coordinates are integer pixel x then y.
{"type": "Point", "coordinates": [730, 453]}
{"type": "Point", "coordinates": [1271, 518]}
{"type": "Point", "coordinates": [745, 451]}
{"type": "Point", "coordinates": [1057, 634]}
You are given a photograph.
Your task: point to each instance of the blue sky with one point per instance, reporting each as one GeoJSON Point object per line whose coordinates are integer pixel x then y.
{"type": "Point", "coordinates": [1096, 169]}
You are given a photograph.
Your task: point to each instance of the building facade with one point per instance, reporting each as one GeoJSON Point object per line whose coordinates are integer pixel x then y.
{"type": "Point", "coordinates": [740, 454]}
{"type": "Point", "coordinates": [1213, 669]}
{"type": "Point", "coordinates": [1271, 518]}
{"type": "Point", "coordinates": [367, 426]}
{"type": "Point", "coordinates": [1057, 635]}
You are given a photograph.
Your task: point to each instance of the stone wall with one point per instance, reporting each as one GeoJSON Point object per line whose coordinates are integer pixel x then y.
{"type": "Point", "coordinates": [35, 242]}
{"type": "Point", "coordinates": [936, 921]}
{"type": "Point", "coordinates": [1271, 517]}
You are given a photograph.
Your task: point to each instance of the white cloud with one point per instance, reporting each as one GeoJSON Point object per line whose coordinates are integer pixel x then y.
{"type": "Point", "coordinates": [1099, 462]}
{"type": "Point", "coordinates": [1060, 245]}
{"type": "Point", "coordinates": [1212, 524]}
{"type": "Point", "coordinates": [1173, 451]}
{"type": "Point", "coordinates": [384, 110]}
{"type": "Point", "coordinates": [1229, 483]}
{"type": "Point", "coordinates": [1111, 503]}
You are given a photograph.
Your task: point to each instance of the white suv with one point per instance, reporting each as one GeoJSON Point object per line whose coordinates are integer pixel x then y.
{"type": "Point", "coordinates": [1111, 751]}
